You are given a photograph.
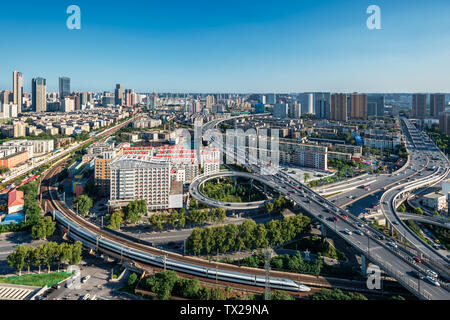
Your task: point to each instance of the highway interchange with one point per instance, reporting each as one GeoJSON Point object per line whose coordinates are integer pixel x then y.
{"type": "Point", "coordinates": [394, 260]}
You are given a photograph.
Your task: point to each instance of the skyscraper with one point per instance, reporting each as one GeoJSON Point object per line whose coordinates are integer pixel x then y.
{"type": "Point", "coordinates": [39, 92]}
{"type": "Point", "coordinates": [419, 105]}
{"type": "Point", "coordinates": [358, 106]}
{"type": "Point", "coordinates": [444, 122]}
{"type": "Point", "coordinates": [338, 107]}
{"type": "Point", "coordinates": [64, 87]}
{"type": "Point", "coordinates": [375, 106]}
{"type": "Point", "coordinates": [119, 95]}
{"type": "Point", "coordinates": [271, 98]}
{"type": "Point", "coordinates": [281, 110]}
{"type": "Point", "coordinates": [322, 105]}
{"type": "Point", "coordinates": [18, 90]}
{"type": "Point", "coordinates": [307, 103]}
{"type": "Point", "coordinates": [437, 104]}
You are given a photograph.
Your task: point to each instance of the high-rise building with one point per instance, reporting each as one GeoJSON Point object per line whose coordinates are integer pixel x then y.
{"type": "Point", "coordinates": [4, 97]}
{"type": "Point", "coordinates": [307, 103]}
{"type": "Point", "coordinates": [39, 94]}
{"type": "Point", "coordinates": [68, 104]}
{"type": "Point", "coordinates": [358, 106]}
{"type": "Point", "coordinates": [419, 105]}
{"type": "Point", "coordinates": [271, 98]}
{"type": "Point", "coordinates": [119, 95]}
{"type": "Point", "coordinates": [84, 98]}
{"type": "Point", "coordinates": [17, 90]}
{"type": "Point", "coordinates": [322, 105]}
{"type": "Point", "coordinates": [437, 104]}
{"type": "Point", "coordinates": [64, 87]}
{"type": "Point", "coordinates": [375, 106]}
{"type": "Point", "coordinates": [338, 107]}
{"type": "Point", "coordinates": [77, 101]}
{"type": "Point", "coordinates": [145, 179]}
{"type": "Point", "coordinates": [444, 122]}
{"type": "Point", "coordinates": [281, 110]}
{"type": "Point", "coordinates": [209, 101]}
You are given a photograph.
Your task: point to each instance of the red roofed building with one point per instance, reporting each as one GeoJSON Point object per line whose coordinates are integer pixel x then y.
{"type": "Point", "coordinates": [15, 201]}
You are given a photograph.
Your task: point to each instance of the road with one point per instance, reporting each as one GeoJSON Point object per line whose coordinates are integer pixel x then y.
{"type": "Point", "coordinates": [392, 260]}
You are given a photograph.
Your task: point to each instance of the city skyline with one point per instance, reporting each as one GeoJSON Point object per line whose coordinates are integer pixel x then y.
{"type": "Point", "coordinates": [203, 47]}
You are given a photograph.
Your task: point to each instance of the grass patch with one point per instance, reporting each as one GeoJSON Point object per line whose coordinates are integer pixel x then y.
{"type": "Point", "coordinates": [37, 280]}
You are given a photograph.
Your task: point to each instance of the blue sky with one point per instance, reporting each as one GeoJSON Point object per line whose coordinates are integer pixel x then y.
{"type": "Point", "coordinates": [229, 46]}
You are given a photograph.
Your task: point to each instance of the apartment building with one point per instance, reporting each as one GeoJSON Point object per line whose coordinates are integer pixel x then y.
{"type": "Point", "coordinates": [141, 178]}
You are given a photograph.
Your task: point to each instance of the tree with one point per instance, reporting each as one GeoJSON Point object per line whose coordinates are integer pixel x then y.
{"type": "Point", "coordinates": [162, 283]}
{"type": "Point", "coordinates": [307, 176]}
{"type": "Point", "coordinates": [84, 204]}
{"type": "Point", "coordinates": [50, 251]}
{"type": "Point", "coordinates": [43, 229]}
{"type": "Point", "coordinates": [269, 207]}
{"type": "Point", "coordinates": [436, 213]}
{"type": "Point", "coordinates": [281, 295]}
{"type": "Point", "coordinates": [38, 256]}
{"type": "Point", "coordinates": [418, 210]}
{"type": "Point", "coordinates": [16, 259]}
{"type": "Point", "coordinates": [115, 220]}
{"type": "Point", "coordinates": [77, 250]}
{"type": "Point", "coordinates": [402, 208]}
{"type": "Point", "coordinates": [132, 279]}
{"type": "Point", "coordinates": [135, 210]}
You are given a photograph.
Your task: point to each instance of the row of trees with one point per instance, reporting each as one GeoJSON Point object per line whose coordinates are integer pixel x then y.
{"type": "Point", "coordinates": [47, 254]}
{"type": "Point", "coordinates": [132, 213]}
{"type": "Point", "coordinates": [336, 294]}
{"type": "Point", "coordinates": [246, 236]}
{"type": "Point", "coordinates": [166, 284]}
{"type": "Point", "coordinates": [292, 263]}
{"type": "Point", "coordinates": [178, 218]}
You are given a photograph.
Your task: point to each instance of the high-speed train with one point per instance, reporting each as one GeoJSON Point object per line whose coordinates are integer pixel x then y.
{"type": "Point", "coordinates": [91, 240]}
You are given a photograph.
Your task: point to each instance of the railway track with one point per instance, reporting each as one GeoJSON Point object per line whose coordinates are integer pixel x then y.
{"type": "Point", "coordinates": [51, 201]}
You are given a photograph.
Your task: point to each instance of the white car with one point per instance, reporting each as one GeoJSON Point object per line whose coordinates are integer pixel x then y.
{"type": "Point", "coordinates": [432, 273]}
{"type": "Point", "coordinates": [348, 232]}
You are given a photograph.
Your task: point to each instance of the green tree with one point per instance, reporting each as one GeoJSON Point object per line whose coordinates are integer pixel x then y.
{"type": "Point", "coordinates": [269, 206]}
{"type": "Point", "coordinates": [418, 211]}
{"type": "Point", "coordinates": [43, 229]}
{"type": "Point", "coordinates": [77, 251]}
{"type": "Point", "coordinates": [162, 283]}
{"type": "Point", "coordinates": [16, 259]}
{"type": "Point", "coordinates": [306, 176]}
{"type": "Point", "coordinates": [281, 295]}
{"type": "Point", "coordinates": [132, 279]}
{"type": "Point", "coordinates": [84, 204]}
{"type": "Point", "coordinates": [402, 208]}
{"type": "Point", "coordinates": [115, 220]}
{"type": "Point", "coordinates": [135, 210]}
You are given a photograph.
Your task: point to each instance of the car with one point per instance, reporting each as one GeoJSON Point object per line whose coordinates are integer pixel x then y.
{"type": "Point", "coordinates": [433, 281]}
{"type": "Point", "coordinates": [417, 259]}
{"type": "Point", "coordinates": [348, 232]}
{"type": "Point", "coordinates": [431, 273]}
{"type": "Point", "coordinates": [320, 216]}
{"type": "Point", "coordinates": [416, 274]}
{"type": "Point", "coordinates": [392, 244]}
{"type": "Point", "coordinates": [359, 232]}
{"type": "Point", "coordinates": [85, 279]}
{"type": "Point", "coordinates": [359, 224]}
{"type": "Point", "coordinates": [344, 217]}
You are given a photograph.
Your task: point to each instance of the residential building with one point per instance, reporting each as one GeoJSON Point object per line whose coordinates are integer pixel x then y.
{"type": "Point", "coordinates": [18, 90]}
{"type": "Point", "coordinates": [39, 94]}
{"type": "Point", "coordinates": [419, 105]}
{"type": "Point", "coordinates": [338, 107]}
{"type": "Point", "coordinates": [358, 106]}
{"type": "Point", "coordinates": [437, 104]}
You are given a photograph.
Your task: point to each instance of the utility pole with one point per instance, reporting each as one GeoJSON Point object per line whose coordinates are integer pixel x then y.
{"type": "Point", "coordinates": [267, 268]}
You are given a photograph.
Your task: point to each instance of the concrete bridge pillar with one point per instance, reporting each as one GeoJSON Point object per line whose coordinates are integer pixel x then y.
{"type": "Point", "coordinates": [363, 266]}
{"type": "Point", "coordinates": [235, 181]}
{"type": "Point", "coordinates": [265, 188]}
{"type": "Point", "coordinates": [251, 183]}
